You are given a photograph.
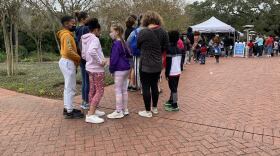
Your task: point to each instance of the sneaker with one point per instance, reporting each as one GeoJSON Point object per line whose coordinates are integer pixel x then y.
{"type": "Point", "coordinates": [65, 111]}
{"type": "Point", "coordinates": [167, 103]}
{"type": "Point", "coordinates": [171, 109]}
{"type": "Point", "coordinates": [115, 115]}
{"type": "Point", "coordinates": [154, 110]}
{"type": "Point", "coordinates": [145, 114]}
{"type": "Point", "coordinates": [94, 119]}
{"type": "Point", "coordinates": [129, 87]}
{"type": "Point", "coordinates": [125, 112]}
{"type": "Point", "coordinates": [99, 113]}
{"type": "Point", "coordinates": [75, 114]}
{"type": "Point", "coordinates": [133, 89]}
{"type": "Point", "coordinates": [85, 106]}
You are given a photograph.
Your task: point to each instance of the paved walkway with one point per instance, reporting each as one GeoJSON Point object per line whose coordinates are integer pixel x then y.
{"type": "Point", "coordinates": [226, 109]}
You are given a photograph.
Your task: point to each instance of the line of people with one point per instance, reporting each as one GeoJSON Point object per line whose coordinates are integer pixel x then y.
{"type": "Point", "coordinates": [141, 57]}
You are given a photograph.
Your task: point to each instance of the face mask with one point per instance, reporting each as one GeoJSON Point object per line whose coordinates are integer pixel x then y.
{"type": "Point", "coordinates": [113, 35]}
{"type": "Point", "coordinates": [73, 28]}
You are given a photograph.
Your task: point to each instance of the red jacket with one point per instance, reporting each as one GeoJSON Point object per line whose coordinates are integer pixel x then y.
{"type": "Point", "coordinates": [251, 45]}
{"type": "Point", "coordinates": [203, 50]}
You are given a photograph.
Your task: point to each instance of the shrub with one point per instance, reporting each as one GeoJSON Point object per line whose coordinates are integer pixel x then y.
{"type": "Point", "coordinates": [2, 56]}
{"type": "Point", "coordinates": [106, 43]}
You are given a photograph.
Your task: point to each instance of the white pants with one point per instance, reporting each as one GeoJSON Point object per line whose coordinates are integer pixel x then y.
{"type": "Point", "coordinates": [68, 70]}
{"type": "Point", "coordinates": [121, 79]}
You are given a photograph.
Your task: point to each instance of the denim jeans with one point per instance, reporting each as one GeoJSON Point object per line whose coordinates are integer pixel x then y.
{"type": "Point", "coordinates": [85, 81]}
{"type": "Point", "coordinates": [202, 58]}
{"type": "Point", "coordinates": [269, 50]}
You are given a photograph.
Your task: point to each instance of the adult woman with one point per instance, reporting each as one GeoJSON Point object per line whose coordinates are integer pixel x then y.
{"type": "Point", "coordinates": [152, 41]}
{"type": "Point", "coordinates": [197, 38]}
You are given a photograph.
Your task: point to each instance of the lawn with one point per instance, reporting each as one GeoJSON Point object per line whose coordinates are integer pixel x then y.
{"type": "Point", "coordinates": [39, 79]}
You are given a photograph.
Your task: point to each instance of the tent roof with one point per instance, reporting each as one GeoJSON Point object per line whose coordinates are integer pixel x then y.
{"type": "Point", "coordinates": [213, 25]}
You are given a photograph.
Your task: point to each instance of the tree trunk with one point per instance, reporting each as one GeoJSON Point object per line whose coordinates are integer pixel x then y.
{"type": "Point", "coordinates": [38, 50]}
{"type": "Point", "coordinates": [12, 48]}
{"type": "Point", "coordinates": [16, 47]}
{"type": "Point", "coordinates": [55, 36]}
{"type": "Point", "coordinates": [7, 44]}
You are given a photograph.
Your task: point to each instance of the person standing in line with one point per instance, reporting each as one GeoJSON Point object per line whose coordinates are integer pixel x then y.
{"type": "Point", "coordinates": [190, 39]}
{"type": "Point", "coordinates": [173, 71]}
{"type": "Point", "coordinates": [119, 67]}
{"type": "Point", "coordinates": [259, 42]}
{"type": "Point", "coordinates": [132, 42]}
{"type": "Point", "coordinates": [227, 45]}
{"type": "Point", "coordinates": [68, 64]}
{"type": "Point", "coordinates": [80, 31]}
{"type": "Point", "coordinates": [95, 63]}
{"type": "Point", "coordinates": [152, 41]}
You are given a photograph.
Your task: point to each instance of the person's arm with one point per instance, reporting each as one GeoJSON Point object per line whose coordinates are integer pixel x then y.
{"type": "Point", "coordinates": [114, 57]}
{"type": "Point", "coordinates": [165, 42]}
{"type": "Point", "coordinates": [168, 65]}
{"type": "Point", "coordinates": [93, 51]}
{"type": "Point", "coordinates": [141, 37]}
{"type": "Point", "coordinates": [130, 37]}
{"type": "Point", "coordinates": [71, 52]}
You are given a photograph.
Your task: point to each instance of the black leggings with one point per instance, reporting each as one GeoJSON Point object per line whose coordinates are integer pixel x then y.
{"type": "Point", "coordinates": [150, 88]}
{"type": "Point", "coordinates": [173, 86]}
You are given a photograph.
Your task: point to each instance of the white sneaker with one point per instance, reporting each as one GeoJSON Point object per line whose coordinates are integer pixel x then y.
{"type": "Point", "coordinates": [125, 112]}
{"type": "Point", "coordinates": [115, 115]}
{"type": "Point", "coordinates": [99, 113]}
{"type": "Point", "coordinates": [94, 119]}
{"type": "Point", "coordinates": [155, 110]}
{"type": "Point", "coordinates": [145, 114]}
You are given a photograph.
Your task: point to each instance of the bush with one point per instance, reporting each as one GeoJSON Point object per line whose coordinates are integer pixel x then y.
{"type": "Point", "coordinates": [106, 43]}
{"type": "Point", "coordinates": [2, 56]}
{"type": "Point", "coordinates": [47, 57]}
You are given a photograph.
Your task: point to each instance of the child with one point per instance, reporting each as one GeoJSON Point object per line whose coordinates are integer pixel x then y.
{"type": "Point", "coordinates": [120, 68]}
{"type": "Point", "coordinates": [80, 31]}
{"type": "Point", "coordinates": [203, 51]}
{"type": "Point", "coordinates": [68, 65]}
{"type": "Point", "coordinates": [173, 70]}
{"type": "Point", "coordinates": [92, 53]}
{"type": "Point", "coordinates": [276, 48]}
{"type": "Point", "coordinates": [251, 48]}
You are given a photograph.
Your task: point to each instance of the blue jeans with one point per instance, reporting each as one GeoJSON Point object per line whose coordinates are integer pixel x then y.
{"type": "Point", "coordinates": [269, 49]}
{"type": "Point", "coordinates": [202, 58]}
{"type": "Point", "coordinates": [85, 81]}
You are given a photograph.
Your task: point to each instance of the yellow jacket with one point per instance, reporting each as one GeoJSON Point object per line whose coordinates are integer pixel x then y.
{"type": "Point", "coordinates": [68, 48]}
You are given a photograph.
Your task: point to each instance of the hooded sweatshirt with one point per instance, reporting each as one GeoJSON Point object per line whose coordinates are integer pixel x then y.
{"type": "Point", "coordinates": [92, 53]}
{"type": "Point", "coordinates": [119, 57]}
{"type": "Point", "coordinates": [68, 49]}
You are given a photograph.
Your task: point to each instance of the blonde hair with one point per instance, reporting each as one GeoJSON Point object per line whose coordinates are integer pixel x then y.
{"type": "Point", "coordinates": [119, 28]}
{"type": "Point", "coordinates": [151, 17]}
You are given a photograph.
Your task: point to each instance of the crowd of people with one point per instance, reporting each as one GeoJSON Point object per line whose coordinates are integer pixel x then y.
{"type": "Point", "coordinates": [269, 46]}
{"type": "Point", "coordinates": [138, 57]}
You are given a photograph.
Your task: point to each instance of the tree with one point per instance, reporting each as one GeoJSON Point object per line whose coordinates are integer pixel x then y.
{"type": "Point", "coordinates": [262, 14]}
{"type": "Point", "coordinates": [9, 11]}
{"type": "Point", "coordinates": [34, 23]}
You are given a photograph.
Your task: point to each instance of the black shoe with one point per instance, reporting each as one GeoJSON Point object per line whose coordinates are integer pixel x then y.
{"type": "Point", "coordinates": [65, 111]}
{"type": "Point", "coordinates": [75, 114]}
{"type": "Point", "coordinates": [133, 89]}
{"type": "Point", "coordinates": [129, 88]}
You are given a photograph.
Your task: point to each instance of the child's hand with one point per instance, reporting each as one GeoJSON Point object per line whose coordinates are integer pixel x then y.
{"type": "Point", "coordinates": [104, 62]}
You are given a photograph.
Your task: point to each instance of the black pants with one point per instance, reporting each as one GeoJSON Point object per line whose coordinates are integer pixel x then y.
{"type": "Point", "coordinates": [217, 57]}
{"type": "Point", "coordinates": [183, 61]}
{"type": "Point", "coordinates": [173, 86]}
{"type": "Point", "coordinates": [260, 50]}
{"type": "Point", "coordinates": [150, 88]}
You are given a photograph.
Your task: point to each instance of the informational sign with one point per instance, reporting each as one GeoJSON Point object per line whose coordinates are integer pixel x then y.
{"type": "Point", "coordinates": [239, 49]}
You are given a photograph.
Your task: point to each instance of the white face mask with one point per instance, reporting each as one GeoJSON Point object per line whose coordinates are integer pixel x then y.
{"type": "Point", "coordinates": [113, 35]}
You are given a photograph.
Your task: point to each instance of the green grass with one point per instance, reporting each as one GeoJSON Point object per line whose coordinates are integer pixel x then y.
{"type": "Point", "coordinates": [39, 79]}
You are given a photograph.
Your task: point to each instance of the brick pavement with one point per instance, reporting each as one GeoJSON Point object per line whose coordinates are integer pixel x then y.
{"type": "Point", "coordinates": [226, 109]}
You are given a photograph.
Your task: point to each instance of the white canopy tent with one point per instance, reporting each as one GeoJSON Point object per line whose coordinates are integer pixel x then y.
{"type": "Point", "coordinates": [213, 25]}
